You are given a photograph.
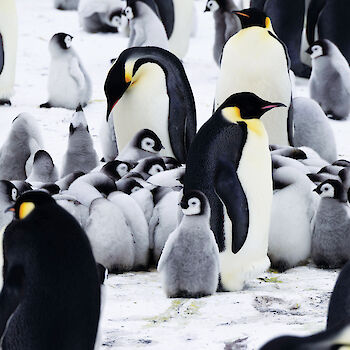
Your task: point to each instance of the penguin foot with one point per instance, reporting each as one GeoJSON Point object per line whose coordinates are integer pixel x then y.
{"type": "Point", "coordinates": [46, 105]}
{"type": "Point", "coordinates": [5, 102]}
{"type": "Point", "coordinates": [335, 117]}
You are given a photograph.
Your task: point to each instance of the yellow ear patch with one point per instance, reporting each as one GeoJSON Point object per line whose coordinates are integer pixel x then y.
{"type": "Point", "coordinates": [25, 209]}
{"type": "Point", "coordinates": [233, 115]}
{"type": "Point", "coordinates": [129, 67]}
{"type": "Point", "coordinates": [268, 24]}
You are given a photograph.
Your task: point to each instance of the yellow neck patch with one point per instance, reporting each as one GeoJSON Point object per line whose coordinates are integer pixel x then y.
{"type": "Point", "coordinates": [129, 67]}
{"type": "Point", "coordinates": [233, 115]}
{"type": "Point", "coordinates": [25, 209]}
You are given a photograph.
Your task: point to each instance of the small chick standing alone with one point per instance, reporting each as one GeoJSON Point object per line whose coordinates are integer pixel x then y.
{"type": "Point", "coordinates": [189, 264]}
{"type": "Point", "coordinates": [69, 84]}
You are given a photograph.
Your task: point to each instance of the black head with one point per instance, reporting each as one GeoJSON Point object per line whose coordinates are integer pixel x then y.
{"type": "Point", "coordinates": [64, 40]}
{"type": "Point", "coordinates": [128, 186]}
{"type": "Point", "coordinates": [116, 169]}
{"type": "Point", "coordinates": [51, 188]}
{"type": "Point", "coordinates": [253, 17]}
{"type": "Point", "coordinates": [43, 156]}
{"type": "Point", "coordinates": [131, 9]}
{"type": "Point", "coordinates": [152, 165]}
{"type": "Point", "coordinates": [318, 48]}
{"type": "Point", "coordinates": [245, 106]}
{"type": "Point", "coordinates": [194, 203]}
{"type": "Point", "coordinates": [332, 189]}
{"type": "Point", "coordinates": [9, 190]}
{"type": "Point", "coordinates": [148, 141]}
{"type": "Point", "coordinates": [212, 6]}
{"type": "Point", "coordinates": [171, 163]}
{"type": "Point", "coordinates": [115, 18]}
{"type": "Point", "coordinates": [29, 202]}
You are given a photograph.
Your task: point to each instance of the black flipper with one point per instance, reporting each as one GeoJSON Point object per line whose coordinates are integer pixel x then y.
{"type": "Point", "coordinates": [2, 54]}
{"type": "Point", "coordinates": [167, 15]}
{"type": "Point", "coordinates": [11, 295]}
{"type": "Point", "coordinates": [313, 13]}
{"type": "Point", "coordinates": [290, 124]}
{"type": "Point", "coordinates": [230, 191]}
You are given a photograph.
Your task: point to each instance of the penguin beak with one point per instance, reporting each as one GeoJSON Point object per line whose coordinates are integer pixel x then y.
{"type": "Point", "coordinates": [240, 14]}
{"type": "Point", "coordinates": [10, 209]}
{"type": "Point", "coordinates": [271, 106]}
{"type": "Point", "coordinates": [317, 190]}
{"type": "Point", "coordinates": [207, 9]}
{"type": "Point", "coordinates": [309, 51]}
{"type": "Point", "coordinates": [183, 204]}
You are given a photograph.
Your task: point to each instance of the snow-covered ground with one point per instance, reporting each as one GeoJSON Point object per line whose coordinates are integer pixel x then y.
{"type": "Point", "coordinates": [136, 312]}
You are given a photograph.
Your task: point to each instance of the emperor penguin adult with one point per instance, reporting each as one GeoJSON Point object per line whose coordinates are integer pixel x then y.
{"type": "Point", "coordinates": [146, 27]}
{"type": "Point", "coordinates": [330, 79]}
{"type": "Point", "coordinates": [287, 17]}
{"type": "Point", "coordinates": [226, 25]}
{"type": "Point", "coordinates": [255, 60]}
{"type": "Point", "coordinates": [45, 251]}
{"type": "Point", "coordinates": [8, 49]}
{"type": "Point", "coordinates": [328, 19]}
{"type": "Point", "coordinates": [230, 154]}
{"type": "Point", "coordinates": [147, 88]}
{"type": "Point", "coordinates": [69, 84]}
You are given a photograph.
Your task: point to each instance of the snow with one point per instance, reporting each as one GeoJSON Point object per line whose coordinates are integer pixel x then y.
{"type": "Point", "coordinates": [136, 312]}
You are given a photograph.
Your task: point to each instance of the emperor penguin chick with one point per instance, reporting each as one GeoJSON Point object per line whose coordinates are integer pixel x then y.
{"type": "Point", "coordinates": [144, 144]}
{"type": "Point", "coordinates": [189, 264]}
{"type": "Point", "coordinates": [146, 27]}
{"type": "Point", "coordinates": [8, 49]}
{"type": "Point", "coordinates": [43, 170]}
{"type": "Point", "coordinates": [331, 237]}
{"type": "Point", "coordinates": [80, 155]}
{"type": "Point", "coordinates": [330, 79]}
{"type": "Point", "coordinates": [8, 196]}
{"type": "Point", "coordinates": [294, 206]}
{"type": "Point", "coordinates": [69, 84]}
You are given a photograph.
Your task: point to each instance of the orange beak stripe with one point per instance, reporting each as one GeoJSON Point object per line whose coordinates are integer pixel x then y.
{"type": "Point", "coordinates": [242, 14]}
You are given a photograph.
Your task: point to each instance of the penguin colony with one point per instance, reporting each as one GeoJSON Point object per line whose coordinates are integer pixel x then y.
{"type": "Point", "coordinates": [258, 185]}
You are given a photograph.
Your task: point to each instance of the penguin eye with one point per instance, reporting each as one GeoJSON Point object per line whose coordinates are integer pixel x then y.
{"type": "Point", "coordinates": [14, 194]}
{"type": "Point", "coordinates": [193, 202]}
{"type": "Point", "coordinates": [135, 189]}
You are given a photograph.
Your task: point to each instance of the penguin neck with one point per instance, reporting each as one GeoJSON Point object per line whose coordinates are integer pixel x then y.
{"type": "Point", "coordinates": [195, 221]}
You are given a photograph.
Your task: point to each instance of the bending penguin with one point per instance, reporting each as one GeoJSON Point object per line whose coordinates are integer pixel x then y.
{"type": "Point", "coordinates": [46, 250]}
{"type": "Point", "coordinates": [226, 25]}
{"type": "Point", "coordinates": [147, 88]}
{"type": "Point", "coordinates": [69, 84]}
{"type": "Point", "coordinates": [189, 264]}
{"type": "Point", "coordinates": [230, 154]}
{"type": "Point", "coordinates": [8, 49]}
{"type": "Point", "coordinates": [256, 60]}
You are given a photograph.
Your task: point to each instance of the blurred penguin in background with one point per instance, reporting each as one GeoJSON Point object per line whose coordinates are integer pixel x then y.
{"type": "Point", "coordinates": [8, 49]}
{"type": "Point", "coordinates": [287, 17]}
{"type": "Point", "coordinates": [101, 16]}
{"type": "Point", "coordinates": [226, 24]}
{"type": "Point", "coordinates": [66, 4]}
{"type": "Point", "coordinates": [69, 84]}
{"type": "Point", "coordinates": [329, 19]}
{"type": "Point", "coordinates": [330, 79]}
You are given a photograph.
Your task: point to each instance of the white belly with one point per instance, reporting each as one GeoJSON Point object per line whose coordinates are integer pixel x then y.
{"type": "Point", "coordinates": [180, 38]}
{"type": "Point", "coordinates": [255, 175]}
{"type": "Point", "coordinates": [63, 89]}
{"type": "Point", "coordinates": [254, 61]}
{"type": "Point", "coordinates": [8, 30]}
{"type": "Point", "coordinates": [145, 105]}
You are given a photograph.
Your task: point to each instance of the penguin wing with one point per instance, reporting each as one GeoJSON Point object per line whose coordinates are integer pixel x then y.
{"type": "Point", "coordinates": [284, 48]}
{"type": "Point", "coordinates": [2, 54]}
{"type": "Point", "coordinates": [167, 15]}
{"type": "Point", "coordinates": [313, 13]}
{"type": "Point", "coordinates": [11, 293]}
{"type": "Point", "coordinates": [230, 191]}
{"type": "Point", "coordinates": [76, 72]}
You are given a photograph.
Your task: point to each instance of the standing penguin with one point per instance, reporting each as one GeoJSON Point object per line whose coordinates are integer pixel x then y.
{"type": "Point", "coordinates": [80, 155]}
{"type": "Point", "coordinates": [46, 250]}
{"type": "Point", "coordinates": [69, 84]}
{"type": "Point", "coordinates": [230, 154]}
{"type": "Point", "coordinates": [146, 27]}
{"type": "Point", "coordinates": [147, 88]}
{"type": "Point", "coordinates": [226, 25]}
{"type": "Point", "coordinates": [330, 79]}
{"type": "Point", "coordinates": [287, 17]}
{"type": "Point", "coordinates": [8, 49]}
{"type": "Point", "coordinates": [255, 60]}
{"type": "Point", "coordinates": [189, 264]}
{"type": "Point", "coordinates": [331, 237]}
{"type": "Point", "coordinates": [331, 18]}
